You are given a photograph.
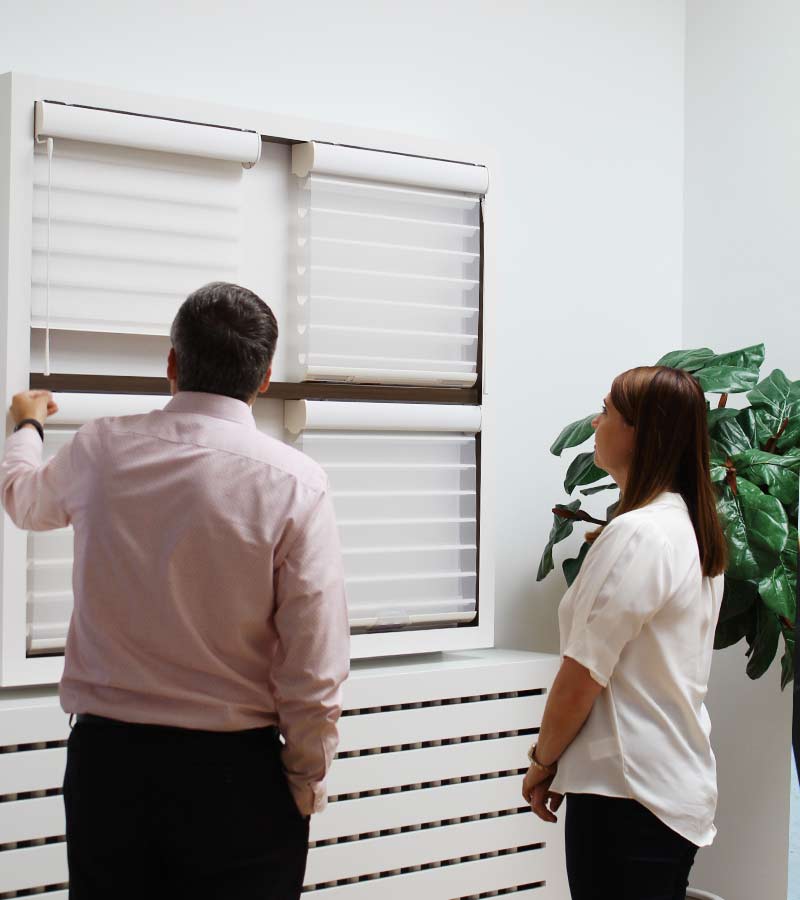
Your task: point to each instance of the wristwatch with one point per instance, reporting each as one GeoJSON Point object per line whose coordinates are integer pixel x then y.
{"type": "Point", "coordinates": [36, 424]}
{"type": "Point", "coordinates": [535, 762]}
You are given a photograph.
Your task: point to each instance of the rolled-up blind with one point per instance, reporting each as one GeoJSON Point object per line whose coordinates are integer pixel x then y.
{"type": "Point", "coordinates": [50, 553]}
{"type": "Point", "coordinates": [130, 214]}
{"type": "Point", "coordinates": [388, 266]}
{"type": "Point", "coordinates": [405, 496]}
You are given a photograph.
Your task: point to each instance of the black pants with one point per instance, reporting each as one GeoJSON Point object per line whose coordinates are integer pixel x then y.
{"type": "Point", "coordinates": [165, 812]}
{"type": "Point", "coordinates": [618, 849]}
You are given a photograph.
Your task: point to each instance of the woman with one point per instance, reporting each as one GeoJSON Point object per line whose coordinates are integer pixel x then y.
{"type": "Point", "coordinates": [625, 734]}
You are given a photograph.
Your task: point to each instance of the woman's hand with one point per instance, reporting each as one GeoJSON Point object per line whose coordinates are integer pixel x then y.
{"type": "Point", "coordinates": [536, 791]}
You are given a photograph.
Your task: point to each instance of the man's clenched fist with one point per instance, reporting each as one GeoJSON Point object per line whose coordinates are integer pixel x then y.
{"type": "Point", "coordinates": [33, 405]}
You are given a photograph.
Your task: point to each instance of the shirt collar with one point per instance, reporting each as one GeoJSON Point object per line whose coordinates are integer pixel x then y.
{"type": "Point", "coordinates": [669, 498]}
{"type": "Point", "coordinates": [215, 405]}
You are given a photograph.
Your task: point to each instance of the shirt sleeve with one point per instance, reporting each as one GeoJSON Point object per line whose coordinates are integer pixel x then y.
{"type": "Point", "coordinates": [33, 493]}
{"type": "Point", "coordinates": [624, 583]}
{"type": "Point", "coordinates": [313, 658]}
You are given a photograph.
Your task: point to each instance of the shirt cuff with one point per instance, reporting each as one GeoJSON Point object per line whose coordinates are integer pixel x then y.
{"type": "Point", "coordinates": [27, 439]}
{"type": "Point", "coordinates": [308, 798]}
{"type": "Point", "coordinates": [593, 655]}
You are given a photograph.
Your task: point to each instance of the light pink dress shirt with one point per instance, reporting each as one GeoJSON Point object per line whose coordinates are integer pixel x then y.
{"type": "Point", "coordinates": [208, 580]}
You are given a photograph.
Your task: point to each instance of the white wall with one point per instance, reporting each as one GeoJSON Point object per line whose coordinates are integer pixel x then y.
{"type": "Point", "coordinates": [583, 101]}
{"type": "Point", "coordinates": [742, 285]}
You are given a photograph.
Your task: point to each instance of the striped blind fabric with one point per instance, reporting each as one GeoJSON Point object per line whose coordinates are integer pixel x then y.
{"type": "Point", "coordinates": [122, 235]}
{"type": "Point", "coordinates": [406, 508]}
{"type": "Point", "coordinates": [388, 277]}
{"type": "Point", "coordinates": [49, 597]}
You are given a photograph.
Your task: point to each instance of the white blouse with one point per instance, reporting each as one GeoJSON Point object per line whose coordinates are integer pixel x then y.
{"type": "Point", "coordinates": [641, 617]}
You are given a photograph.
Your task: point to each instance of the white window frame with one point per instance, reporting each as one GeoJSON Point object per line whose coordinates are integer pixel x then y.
{"type": "Point", "coordinates": [18, 94]}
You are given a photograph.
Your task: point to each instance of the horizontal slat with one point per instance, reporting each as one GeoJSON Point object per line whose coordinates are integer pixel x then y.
{"type": "Point", "coordinates": [383, 770]}
{"type": "Point", "coordinates": [403, 304]}
{"type": "Point", "coordinates": [31, 723]}
{"type": "Point", "coordinates": [444, 883]}
{"type": "Point", "coordinates": [400, 810]}
{"type": "Point", "coordinates": [465, 674]}
{"type": "Point", "coordinates": [33, 867]}
{"type": "Point", "coordinates": [433, 723]}
{"type": "Point", "coordinates": [356, 331]}
{"type": "Point", "coordinates": [377, 273]}
{"type": "Point", "coordinates": [391, 618]}
{"type": "Point", "coordinates": [32, 770]}
{"type": "Point", "coordinates": [385, 245]}
{"type": "Point", "coordinates": [28, 820]}
{"type": "Point", "coordinates": [415, 848]}
{"type": "Point", "coordinates": [403, 220]}
{"type": "Point", "coordinates": [353, 187]}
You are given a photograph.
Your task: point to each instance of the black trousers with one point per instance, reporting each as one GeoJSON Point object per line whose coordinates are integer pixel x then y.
{"type": "Point", "coordinates": [618, 849]}
{"type": "Point", "coordinates": [158, 812]}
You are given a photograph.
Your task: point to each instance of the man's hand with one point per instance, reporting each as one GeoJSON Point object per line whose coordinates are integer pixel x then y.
{"type": "Point", "coordinates": [33, 405]}
{"type": "Point", "coordinates": [536, 791]}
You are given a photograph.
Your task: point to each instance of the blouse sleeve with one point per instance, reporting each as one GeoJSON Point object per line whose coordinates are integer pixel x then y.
{"type": "Point", "coordinates": [625, 581]}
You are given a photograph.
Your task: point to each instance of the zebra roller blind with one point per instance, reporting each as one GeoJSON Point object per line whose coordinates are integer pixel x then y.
{"type": "Point", "coordinates": [130, 214]}
{"type": "Point", "coordinates": [404, 486]}
{"type": "Point", "coordinates": [388, 272]}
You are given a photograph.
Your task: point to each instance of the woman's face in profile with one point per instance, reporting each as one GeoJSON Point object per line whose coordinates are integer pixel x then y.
{"type": "Point", "coordinates": [613, 440]}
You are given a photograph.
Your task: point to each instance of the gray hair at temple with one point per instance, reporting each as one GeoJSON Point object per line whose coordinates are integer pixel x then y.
{"type": "Point", "coordinates": [224, 338]}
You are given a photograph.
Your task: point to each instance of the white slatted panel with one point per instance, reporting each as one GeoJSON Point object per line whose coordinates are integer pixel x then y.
{"type": "Point", "coordinates": [132, 232]}
{"type": "Point", "coordinates": [388, 282]}
{"type": "Point", "coordinates": [415, 809]}
{"type": "Point", "coordinates": [406, 507]}
{"type": "Point", "coordinates": [33, 856]}
{"type": "Point", "coordinates": [49, 600]}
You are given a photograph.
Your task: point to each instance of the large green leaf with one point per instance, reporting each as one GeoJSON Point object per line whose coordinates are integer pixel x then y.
{"type": "Point", "coordinates": [726, 379]}
{"type": "Point", "coordinates": [715, 416]}
{"type": "Point", "coordinates": [691, 360]}
{"type": "Point", "coordinates": [734, 434]}
{"type": "Point", "coordinates": [778, 474]}
{"type": "Point", "coordinates": [764, 516]}
{"type": "Point", "coordinates": [751, 358]}
{"type": "Point", "coordinates": [773, 400]}
{"type": "Point", "coordinates": [731, 373]}
{"type": "Point", "coordinates": [738, 598]}
{"type": "Point", "coordinates": [779, 589]}
{"type": "Point", "coordinates": [574, 435]}
{"type": "Point", "coordinates": [573, 565]}
{"type": "Point", "coordinates": [748, 557]}
{"type": "Point", "coordinates": [562, 529]}
{"type": "Point", "coordinates": [734, 628]}
{"type": "Point", "coordinates": [763, 649]}
{"type": "Point", "coordinates": [787, 661]}
{"type": "Point", "coordinates": [582, 470]}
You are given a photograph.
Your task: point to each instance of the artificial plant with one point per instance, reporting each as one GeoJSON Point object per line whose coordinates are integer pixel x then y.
{"type": "Point", "coordinates": [755, 461]}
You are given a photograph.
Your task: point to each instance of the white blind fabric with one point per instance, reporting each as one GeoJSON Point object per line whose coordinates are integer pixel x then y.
{"type": "Point", "coordinates": [128, 235]}
{"type": "Point", "coordinates": [388, 268]}
{"type": "Point", "coordinates": [130, 214]}
{"type": "Point", "coordinates": [50, 553]}
{"type": "Point", "coordinates": [406, 508]}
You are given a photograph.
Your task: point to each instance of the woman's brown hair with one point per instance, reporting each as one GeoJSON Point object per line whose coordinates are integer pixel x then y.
{"type": "Point", "coordinates": [667, 409]}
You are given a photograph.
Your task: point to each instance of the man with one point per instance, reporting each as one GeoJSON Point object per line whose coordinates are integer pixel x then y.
{"type": "Point", "coordinates": [209, 618]}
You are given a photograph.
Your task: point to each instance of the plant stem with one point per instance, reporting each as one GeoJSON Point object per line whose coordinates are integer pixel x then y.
{"type": "Point", "coordinates": [723, 401]}
{"type": "Point", "coordinates": [773, 441]}
{"type": "Point", "coordinates": [579, 516]}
